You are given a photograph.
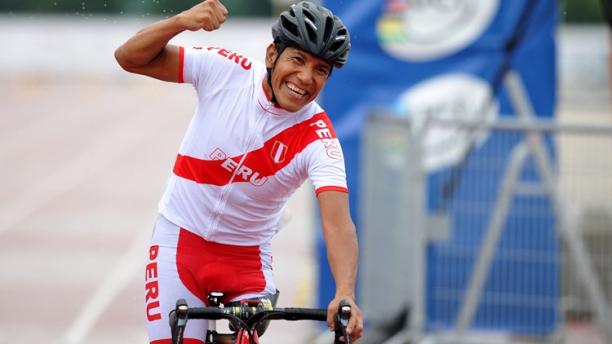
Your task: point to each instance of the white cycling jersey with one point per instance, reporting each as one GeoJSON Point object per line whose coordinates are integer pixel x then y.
{"type": "Point", "coordinates": [242, 156]}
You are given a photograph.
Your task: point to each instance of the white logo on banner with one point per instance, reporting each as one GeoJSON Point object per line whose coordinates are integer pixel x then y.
{"type": "Point", "coordinates": [430, 29]}
{"type": "Point", "coordinates": [451, 96]}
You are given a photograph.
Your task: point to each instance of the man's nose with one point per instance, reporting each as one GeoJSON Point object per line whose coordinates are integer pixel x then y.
{"type": "Point", "coordinates": [305, 75]}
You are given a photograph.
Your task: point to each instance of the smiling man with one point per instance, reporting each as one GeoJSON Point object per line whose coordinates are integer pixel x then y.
{"type": "Point", "coordinates": [256, 135]}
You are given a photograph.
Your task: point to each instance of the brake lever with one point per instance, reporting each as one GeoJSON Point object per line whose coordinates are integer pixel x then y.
{"type": "Point", "coordinates": [178, 321]}
{"type": "Point", "coordinates": [341, 322]}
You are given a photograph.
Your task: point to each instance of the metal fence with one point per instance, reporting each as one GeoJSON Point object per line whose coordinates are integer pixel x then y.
{"type": "Point", "coordinates": [519, 251]}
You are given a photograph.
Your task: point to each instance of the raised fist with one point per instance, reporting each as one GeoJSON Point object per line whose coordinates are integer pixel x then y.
{"type": "Point", "coordinates": [207, 15]}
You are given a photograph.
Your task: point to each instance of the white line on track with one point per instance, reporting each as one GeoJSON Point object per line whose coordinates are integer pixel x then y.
{"type": "Point", "coordinates": [120, 276]}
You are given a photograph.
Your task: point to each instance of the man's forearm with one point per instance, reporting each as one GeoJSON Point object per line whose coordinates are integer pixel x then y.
{"type": "Point", "coordinates": [342, 254]}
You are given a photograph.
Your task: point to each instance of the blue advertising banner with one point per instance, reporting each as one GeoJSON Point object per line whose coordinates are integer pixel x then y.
{"type": "Point", "coordinates": [448, 58]}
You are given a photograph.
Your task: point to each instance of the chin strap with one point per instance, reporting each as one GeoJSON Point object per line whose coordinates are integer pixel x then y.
{"type": "Point", "coordinates": [280, 47]}
{"type": "Point", "coordinates": [273, 98]}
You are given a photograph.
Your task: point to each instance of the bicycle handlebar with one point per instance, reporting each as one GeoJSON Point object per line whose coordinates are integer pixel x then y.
{"type": "Point", "coordinates": [250, 316]}
{"type": "Point", "coordinates": [246, 313]}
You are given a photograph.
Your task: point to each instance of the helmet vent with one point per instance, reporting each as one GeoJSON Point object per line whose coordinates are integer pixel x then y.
{"type": "Point", "coordinates": [329, 24]}
{"type": "Point", "coordinates": [309, 16]}
{"type": "Point", "coordinates": [311, 29]}
{"type": "Point", "coordinates": [311, 24]}
{"type": "Point", "coordinates": [289, 26]}
{"type": "Point", "coordinates": [337, 44]}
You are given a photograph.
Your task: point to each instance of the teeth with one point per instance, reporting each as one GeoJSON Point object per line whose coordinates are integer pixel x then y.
{"type": "Point", "coordinates": [296, 89]}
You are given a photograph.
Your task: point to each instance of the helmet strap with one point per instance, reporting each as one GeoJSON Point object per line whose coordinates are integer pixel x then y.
{"type": "Point", "coordinates": [280, 47]}
{"type": "Point", "coordinates": [273, 98]}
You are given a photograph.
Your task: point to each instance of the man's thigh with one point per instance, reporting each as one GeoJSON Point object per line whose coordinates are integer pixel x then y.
{"type": "Point", "coordinates": [163, 287]}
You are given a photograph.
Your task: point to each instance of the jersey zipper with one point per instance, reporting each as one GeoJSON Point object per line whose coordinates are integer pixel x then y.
{"type": "Point", "coordinates": [221, 202]}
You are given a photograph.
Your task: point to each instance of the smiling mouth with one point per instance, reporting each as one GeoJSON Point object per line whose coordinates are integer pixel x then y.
{"type": "Point", "coordinates": [296, 90]}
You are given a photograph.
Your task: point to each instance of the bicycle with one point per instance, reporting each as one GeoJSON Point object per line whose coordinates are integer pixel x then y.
{"type": "Point", "coordinates": [247, 317]}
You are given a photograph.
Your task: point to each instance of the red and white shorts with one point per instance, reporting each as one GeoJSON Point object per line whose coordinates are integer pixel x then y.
{"type": "Point", "coordinates": [184, 265]}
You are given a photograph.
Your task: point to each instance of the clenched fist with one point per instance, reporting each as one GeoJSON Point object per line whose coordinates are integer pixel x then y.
{"type": "Point", "coordinates": [207, 15]}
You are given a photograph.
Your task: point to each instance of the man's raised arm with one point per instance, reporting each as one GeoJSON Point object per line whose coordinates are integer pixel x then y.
{"type": "Point", "coordinates": [148, 52]}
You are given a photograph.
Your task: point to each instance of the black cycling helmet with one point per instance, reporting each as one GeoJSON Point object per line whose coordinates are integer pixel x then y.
{"type": "Point", "coordinates": [314, 29]}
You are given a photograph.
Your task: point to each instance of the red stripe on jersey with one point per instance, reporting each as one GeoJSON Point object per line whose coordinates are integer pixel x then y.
{"type": "Point", "coordinates": [260, 163]}
{"type": "Point", "coordinates": [212, 172]}
{"type": "Point", "coordinates": [181, 64]}
{"type": "Point", "coordinates": [330, 188]}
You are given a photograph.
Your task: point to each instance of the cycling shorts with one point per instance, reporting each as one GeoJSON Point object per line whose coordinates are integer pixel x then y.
{"type": "Point", "coordinates": [184, 265]}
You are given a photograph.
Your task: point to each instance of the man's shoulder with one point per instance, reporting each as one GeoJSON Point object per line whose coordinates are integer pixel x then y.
{"type": "Point", "coordinates": [313, 113]}
{"type": "Point", "coordinates": [311, 110]}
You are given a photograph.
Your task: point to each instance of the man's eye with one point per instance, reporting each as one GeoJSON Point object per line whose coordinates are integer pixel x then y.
{"type": "Point", "coordinates": [298, 59]}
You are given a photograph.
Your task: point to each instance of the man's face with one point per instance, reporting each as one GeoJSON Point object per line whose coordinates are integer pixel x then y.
{"type": "Point", "coordinates": [297, 78]}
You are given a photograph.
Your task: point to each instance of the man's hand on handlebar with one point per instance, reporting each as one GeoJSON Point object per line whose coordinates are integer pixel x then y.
{"type": "Point", "coordinates": [355, 323]}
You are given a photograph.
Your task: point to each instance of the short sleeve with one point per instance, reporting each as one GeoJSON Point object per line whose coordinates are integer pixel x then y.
{"type": "Point", "coordinates": [193, 65]}
{"type": "Point", "coordinates": [328, 175]}
{"type": "Point", "coordinates": [326, 168]}
{"type": "Point", "coordinates": [204, 66]}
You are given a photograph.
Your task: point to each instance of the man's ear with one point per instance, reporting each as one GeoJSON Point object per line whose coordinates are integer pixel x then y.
{"type": "Point", "coordinates": [270, 55]}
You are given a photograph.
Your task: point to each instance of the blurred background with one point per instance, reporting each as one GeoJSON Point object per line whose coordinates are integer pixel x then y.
{"type": "Point", "coordinates": [475, 135]}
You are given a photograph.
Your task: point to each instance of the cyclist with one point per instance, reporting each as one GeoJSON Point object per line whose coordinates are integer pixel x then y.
{"type": "Point", "coordinates": [256, 135]}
